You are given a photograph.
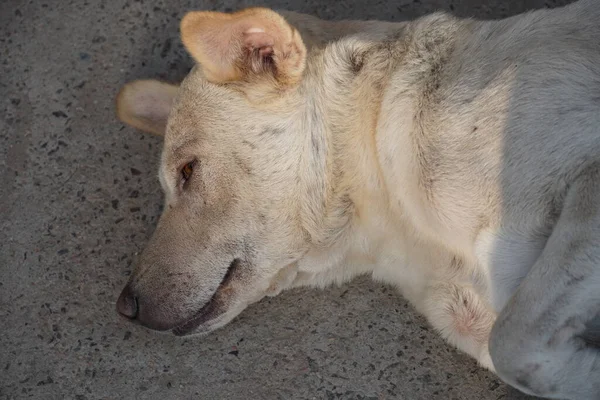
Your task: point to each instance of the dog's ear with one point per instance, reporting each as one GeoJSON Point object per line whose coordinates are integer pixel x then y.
{"type": "Point", "coordinates": [145, 105]}
{"type": "Point", "coordinates": [246, 45]}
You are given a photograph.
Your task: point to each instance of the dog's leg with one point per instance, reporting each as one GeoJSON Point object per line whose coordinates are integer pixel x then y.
{"type": "Point", "coordinates": [457, 312]}
{"type": "Point", "coordinates": [542, 342]}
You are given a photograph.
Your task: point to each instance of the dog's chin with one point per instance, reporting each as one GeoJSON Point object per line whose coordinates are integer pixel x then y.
{"type": "Point", "coordinates": [206, 321]}
{"type": "Point", "coordinates": [218, 311]}
{"type": "Point", "coordinates": [224, 305]}
{"type": "Point", "coordinates": [215, 315]}
{"type": "Point", "coordinates": [185, 330]}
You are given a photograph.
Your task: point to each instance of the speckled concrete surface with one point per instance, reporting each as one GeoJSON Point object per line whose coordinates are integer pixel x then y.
{"type": "Point", "coordinates": [79, 197]}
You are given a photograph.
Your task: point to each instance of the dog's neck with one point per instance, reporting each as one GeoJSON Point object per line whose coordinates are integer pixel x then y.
{"type": "Point", "coordinates": [345, 89]}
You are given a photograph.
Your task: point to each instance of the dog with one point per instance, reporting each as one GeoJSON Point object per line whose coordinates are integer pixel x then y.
{"type": "Point", "coordinates": [456, 159]}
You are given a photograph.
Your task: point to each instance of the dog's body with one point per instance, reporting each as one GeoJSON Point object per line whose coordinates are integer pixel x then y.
{"type": "Point", "coordinates": [458, 160]}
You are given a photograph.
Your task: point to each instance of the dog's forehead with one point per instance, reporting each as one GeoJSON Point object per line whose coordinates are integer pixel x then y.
{"type": "Point", "coordinates": [201, 109]}
{"type": "Point", "coordinates": [197, 91]}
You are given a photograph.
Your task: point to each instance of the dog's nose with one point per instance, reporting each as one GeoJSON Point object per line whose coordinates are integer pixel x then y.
{"type": "Point", "coordinates": [127, 304]}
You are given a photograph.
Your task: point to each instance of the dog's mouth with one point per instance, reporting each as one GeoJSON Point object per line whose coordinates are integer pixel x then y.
{"type": "Point", "coordinates": [216, 306]}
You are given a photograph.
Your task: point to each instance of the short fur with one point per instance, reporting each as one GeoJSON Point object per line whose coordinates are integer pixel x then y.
{"type": "Point", "coordinates": [456, 159]}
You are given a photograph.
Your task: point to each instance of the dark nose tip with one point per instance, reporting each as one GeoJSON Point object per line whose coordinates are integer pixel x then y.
{"type": "Point", "coordinates": [127, 304]}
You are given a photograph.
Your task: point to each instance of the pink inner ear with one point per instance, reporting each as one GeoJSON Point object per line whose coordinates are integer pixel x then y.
{"type": "Point", "coordinates": [265, 51]}
{"type": "Point", "coordinates": [256, 38]}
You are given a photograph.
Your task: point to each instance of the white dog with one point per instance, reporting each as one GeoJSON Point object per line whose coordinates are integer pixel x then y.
{"type": "Point", "coordinates": [456, 159]}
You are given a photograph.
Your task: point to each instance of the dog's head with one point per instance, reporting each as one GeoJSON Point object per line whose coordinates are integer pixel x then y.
{"type": "Point", "coordinates": [243, 185]}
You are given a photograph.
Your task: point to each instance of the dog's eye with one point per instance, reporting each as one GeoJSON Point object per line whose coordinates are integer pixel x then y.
{"type": "Point", "coordinates": [187, 170]}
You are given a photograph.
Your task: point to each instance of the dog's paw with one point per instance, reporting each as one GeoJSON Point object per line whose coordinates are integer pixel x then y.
{"type": "Point", "coordinates": [485, 360]}
{"type": "Point", "coordinates": [282, 280]}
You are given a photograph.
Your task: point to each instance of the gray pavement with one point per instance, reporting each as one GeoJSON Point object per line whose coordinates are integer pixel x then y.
{"type": "Point", "coordinates": [79, 197]}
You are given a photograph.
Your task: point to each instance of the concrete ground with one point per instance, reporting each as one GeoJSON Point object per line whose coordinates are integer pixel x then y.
{"type": "Point", "coordinates": [79, 197]}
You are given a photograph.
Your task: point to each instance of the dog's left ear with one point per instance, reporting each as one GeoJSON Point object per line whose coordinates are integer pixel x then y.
{"type": "Point", "coordinates": [146, 104]}
{"type": "Point", "coordinates": [248, 45]}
